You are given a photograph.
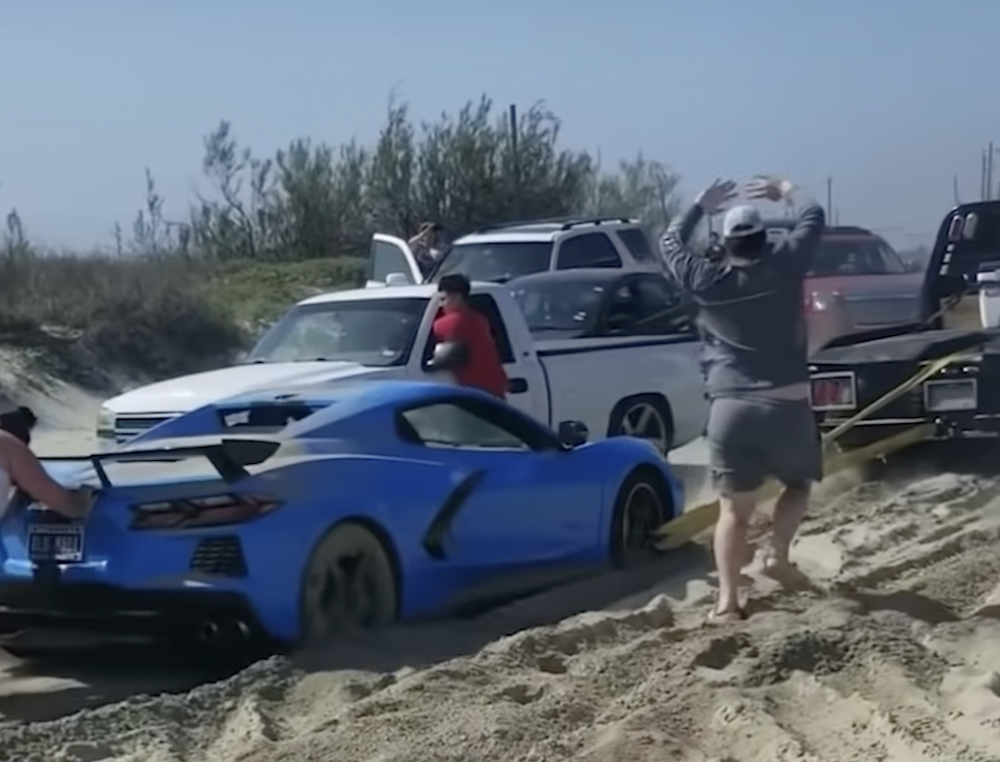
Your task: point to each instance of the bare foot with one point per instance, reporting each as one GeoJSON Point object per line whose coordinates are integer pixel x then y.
{"type": "Point", "coordinates": [788, 575]}
{"type": "Point", "coordinates": [732, 616]}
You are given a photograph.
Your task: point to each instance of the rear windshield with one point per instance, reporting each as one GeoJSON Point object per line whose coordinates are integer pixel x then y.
{"type": "Point", "coordinates": [855, 256]}
{"type": "Point", "coordinates": [497, 262]}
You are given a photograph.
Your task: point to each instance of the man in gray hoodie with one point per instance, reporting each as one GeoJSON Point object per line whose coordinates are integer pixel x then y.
{"type": "Point", "coordinates": [753, 330]}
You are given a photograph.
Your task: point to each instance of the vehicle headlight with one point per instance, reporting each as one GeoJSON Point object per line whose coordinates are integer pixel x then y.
{"type": "Point", "coordinates": [105, 424]}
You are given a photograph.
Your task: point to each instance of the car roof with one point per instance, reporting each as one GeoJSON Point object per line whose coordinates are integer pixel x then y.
{"type": "Point", "coordinates": [585, 275]}
{"type": "Point", "coordinates": [423, 291]}
{"type": "Point", "coordinates": [837, 231]}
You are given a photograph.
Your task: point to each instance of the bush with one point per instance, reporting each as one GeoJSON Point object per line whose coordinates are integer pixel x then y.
{"type": "Point", "coordinates": [179, 296]}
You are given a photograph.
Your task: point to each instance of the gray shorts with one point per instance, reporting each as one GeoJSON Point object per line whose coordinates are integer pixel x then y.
{"type": "Point", "coordinates": [750, 440]}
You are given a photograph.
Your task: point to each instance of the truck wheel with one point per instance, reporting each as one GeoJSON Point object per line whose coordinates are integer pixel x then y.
{"type": "Point", "coordinates": [645, 416]}
{"type": "Point", "coordinates": [349, 584]}
{"type": "Point", "coordinates": [640, 509]}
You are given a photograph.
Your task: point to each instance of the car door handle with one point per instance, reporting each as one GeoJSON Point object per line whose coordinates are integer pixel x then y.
{"type": "Point", "coordinates": [517, 385]}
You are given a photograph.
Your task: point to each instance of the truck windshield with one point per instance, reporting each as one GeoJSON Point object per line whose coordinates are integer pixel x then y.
{"type": "Point", "coordinates": [558, 306]}
{"type": "Point", "coordinates": [497, 262]}
{"type": "Point", "coordinates": [374, 332]}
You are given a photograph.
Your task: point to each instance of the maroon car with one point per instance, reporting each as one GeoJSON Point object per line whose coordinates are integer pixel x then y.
{"type": "Point", "coordinates": [857, 283]}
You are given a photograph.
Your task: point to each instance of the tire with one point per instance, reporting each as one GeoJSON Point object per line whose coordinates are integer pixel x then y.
{"type": "Point", "coordinates": [354, 559]}
{"type": "Point", "coordinates": [643, 416]}
{"type": "Point", "coordinates": [641, 507]}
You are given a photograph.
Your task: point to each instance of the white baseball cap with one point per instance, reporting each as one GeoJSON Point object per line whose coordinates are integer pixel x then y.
{"type": "Point", "coordinates": [741, 221]}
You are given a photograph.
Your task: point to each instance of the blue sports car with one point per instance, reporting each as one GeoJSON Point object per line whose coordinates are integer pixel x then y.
{"type": "Point", "coordinates": [281, 518]}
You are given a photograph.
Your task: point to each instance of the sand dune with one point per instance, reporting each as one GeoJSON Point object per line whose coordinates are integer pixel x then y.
{"type": "Point", "coordinates": [894, 657]}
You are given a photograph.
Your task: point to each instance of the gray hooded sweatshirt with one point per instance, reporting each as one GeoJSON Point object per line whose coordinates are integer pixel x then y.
{"type": "Point", "coordinates": [751, 314]}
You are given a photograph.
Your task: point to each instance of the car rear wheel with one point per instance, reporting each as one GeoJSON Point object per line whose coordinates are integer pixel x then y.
{"type": "Point", "coordinates": [644, 417]}
{"type": "Point", "coordinates": [349, 585]}
{"type": "Point", "coordinates": [640, 509]}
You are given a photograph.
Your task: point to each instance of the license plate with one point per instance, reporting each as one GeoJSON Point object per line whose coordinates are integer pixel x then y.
{"type": "Point", "coordinates": [832, 391]}
{"type": "Point", "coordinates": [945, 396]}
{"type": "Point", "coordinates": [55, 542]}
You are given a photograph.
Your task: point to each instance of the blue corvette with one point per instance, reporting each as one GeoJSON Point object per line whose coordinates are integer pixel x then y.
{"type": "Point", "coordinates": [281, 518]}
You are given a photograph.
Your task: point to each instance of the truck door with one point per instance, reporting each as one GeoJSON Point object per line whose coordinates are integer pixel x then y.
{"type": "Point", "coordinates": [528, 392]}
{"type": "Point", "coordinates": [391, 256]}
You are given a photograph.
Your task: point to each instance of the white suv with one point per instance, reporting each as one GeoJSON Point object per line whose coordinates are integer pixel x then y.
{"type": "Point", "coordinates": [501, 252]}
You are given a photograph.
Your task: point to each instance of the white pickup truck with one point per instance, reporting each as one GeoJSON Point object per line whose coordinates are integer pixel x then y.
{"type": "Point", "coordinates": [647, 386]}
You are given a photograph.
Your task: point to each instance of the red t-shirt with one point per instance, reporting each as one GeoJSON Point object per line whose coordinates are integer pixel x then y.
{"type": "Point", "coordinates": [484, 369]}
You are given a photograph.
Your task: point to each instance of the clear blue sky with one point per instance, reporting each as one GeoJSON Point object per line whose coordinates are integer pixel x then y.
{"type": "Point", "coordinates": [890, 97]}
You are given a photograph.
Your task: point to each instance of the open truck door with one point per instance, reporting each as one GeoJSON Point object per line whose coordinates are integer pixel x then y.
{"type": "Point", "coordinates": [391, 262]}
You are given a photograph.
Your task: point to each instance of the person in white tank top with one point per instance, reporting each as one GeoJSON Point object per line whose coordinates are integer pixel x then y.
{"type": "Point", "coordinates": [20, 467]}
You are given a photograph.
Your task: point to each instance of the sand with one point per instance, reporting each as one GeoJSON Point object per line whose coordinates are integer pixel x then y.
{"type": "Point", "coordinates": [893, 657]}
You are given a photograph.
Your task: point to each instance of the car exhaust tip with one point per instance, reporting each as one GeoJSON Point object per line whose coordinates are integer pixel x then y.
{"type": "Point", "coordinates": [208, 632]}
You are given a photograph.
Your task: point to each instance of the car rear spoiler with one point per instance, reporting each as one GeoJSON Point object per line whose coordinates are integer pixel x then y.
{"type": "Point", "coordinates": [229, 457]}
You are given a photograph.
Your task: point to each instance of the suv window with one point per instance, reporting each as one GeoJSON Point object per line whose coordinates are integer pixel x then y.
{"type": "Point", "coordinates": [588, 250]}
{"type": "Point", "coordinates": [637, 243]}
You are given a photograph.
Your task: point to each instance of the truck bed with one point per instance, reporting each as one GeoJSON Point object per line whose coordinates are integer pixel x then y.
{"type": "Point", "coordinates": [906, 348]}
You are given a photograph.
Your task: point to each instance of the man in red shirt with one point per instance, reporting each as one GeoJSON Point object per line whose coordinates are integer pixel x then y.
{"type": "Point", "coordinates": [462, 325]}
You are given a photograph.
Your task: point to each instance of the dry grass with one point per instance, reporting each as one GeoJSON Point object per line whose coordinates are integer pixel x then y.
{"type": "Point", "coordinates": [159, 315]}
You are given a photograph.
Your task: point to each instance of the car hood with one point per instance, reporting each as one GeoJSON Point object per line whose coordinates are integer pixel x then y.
{"type": "Point", "coordinates": [866, 284]}
{"type": "Point", "coordinates": [180, 395]}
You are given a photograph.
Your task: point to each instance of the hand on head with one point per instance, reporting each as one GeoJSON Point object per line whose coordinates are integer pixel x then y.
{"type": "Point", "coordinates": [715, 198]}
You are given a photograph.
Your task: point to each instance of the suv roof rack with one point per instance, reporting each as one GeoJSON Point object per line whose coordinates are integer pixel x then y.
{"type": "Point", "coordinates": [565, 223]}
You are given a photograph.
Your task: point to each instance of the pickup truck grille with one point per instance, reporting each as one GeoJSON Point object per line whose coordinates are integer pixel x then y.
{"type": "Point", "coordinates": [127, 426]}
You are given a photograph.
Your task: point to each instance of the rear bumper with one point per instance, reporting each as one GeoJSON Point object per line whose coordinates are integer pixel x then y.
{"type": "Point", "coordinates": [71, 615]}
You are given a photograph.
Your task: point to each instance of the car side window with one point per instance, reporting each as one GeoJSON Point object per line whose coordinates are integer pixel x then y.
{"type": "Point", "coordinates": [662, 308]}
{"type": "Point", "coordinates": [587, 250]}
{"type": "Point", "coordinates": [637, 243]}
{"type": "Point", "coordinates": [892, 263]}
{"type": "Point", "coordinates": [622, 312]}
{"type": "Point", "coordinates": [447, 424]}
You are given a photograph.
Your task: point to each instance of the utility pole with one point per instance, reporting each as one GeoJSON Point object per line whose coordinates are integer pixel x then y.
{"type": "Point", "coordinates": [982, 177]}
{"type": "Point", "coordinates": [989, 174]}
{"type": "Point", "coordinates": [516, 161]}
{"type": "Point", "coordinates": [829, 198]}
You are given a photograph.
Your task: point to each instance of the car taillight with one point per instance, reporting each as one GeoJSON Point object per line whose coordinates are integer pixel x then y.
{"type": "Point", "coordinates": [198, 512]}
{"type": "Point", "coordinates": [832, 392]}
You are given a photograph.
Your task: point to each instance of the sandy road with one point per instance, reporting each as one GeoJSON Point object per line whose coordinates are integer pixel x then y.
{"type": "Point", "coordinates": [893, 656]}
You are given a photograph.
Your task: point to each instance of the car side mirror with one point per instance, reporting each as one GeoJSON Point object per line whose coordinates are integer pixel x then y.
{"type": "Point", "coordinates": [573, 434]}
{"type": "Point", "coordinates": [448, 355]}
